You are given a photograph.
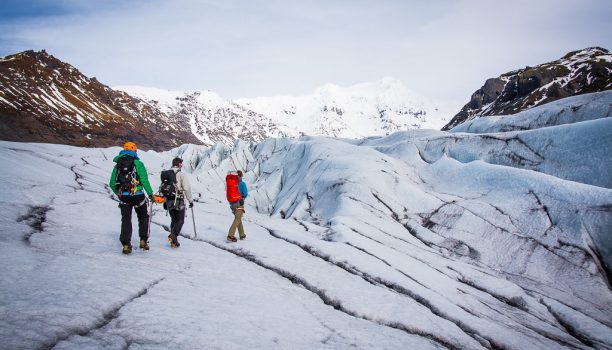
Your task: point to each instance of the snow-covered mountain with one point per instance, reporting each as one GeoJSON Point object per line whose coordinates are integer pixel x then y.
{"type": "Point", "coordinates": [366, 109]}
{"type": "Point", "coordinates": [211, 118]}
{"type": "Point", "coordinates": [43, 99]}
{"type": "Point", "coordinates": [422, 239]}
{"type": "Point", "coordinates": [576, 73]}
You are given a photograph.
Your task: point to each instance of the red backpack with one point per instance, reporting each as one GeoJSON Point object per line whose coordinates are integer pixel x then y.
{"type": "Point", "coordinates": [231, 185]}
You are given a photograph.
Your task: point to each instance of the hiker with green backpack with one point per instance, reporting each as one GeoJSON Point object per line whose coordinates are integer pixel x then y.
{"type": "Point", "coordinates": [175, 188]}
{"type": "Point", "coordinates": [129, 182]}
{"type": "Point", "coordinates": [237, 192]}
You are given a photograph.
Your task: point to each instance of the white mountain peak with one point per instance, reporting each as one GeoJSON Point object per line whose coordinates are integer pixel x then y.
{"type": "Point", "coordinates": [364, 109]}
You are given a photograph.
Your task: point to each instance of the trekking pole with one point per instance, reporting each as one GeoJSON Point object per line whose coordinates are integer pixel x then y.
{"type": "Point", "coordinates": [193, 220]}
{"type": "Point", "coordinates": [150, 204]}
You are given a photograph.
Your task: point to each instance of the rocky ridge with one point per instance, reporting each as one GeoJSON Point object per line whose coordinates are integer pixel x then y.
{"type": "Point", "coordinates": [211, 118]}
{"type": "Point", "coordinates": [576, 73]}
{"type": "Point", "coordinates": [43, 99]}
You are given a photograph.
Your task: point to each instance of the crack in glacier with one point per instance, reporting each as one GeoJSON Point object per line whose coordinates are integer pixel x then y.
{"type": "Point", "coordinates": [397, 250]}
{"type": "Point", "coordinates": [428, 223]}
{"type": "Point", "coordinates": [543, 207]}
{"type": "Point", "coordinates": [603, 268]}
{"type": "Point", "coordinates": [107, 318]}
{"type": "Point", "coordinates": [368, 253]}
{"type": "Point", "coordinates": [571, 330]}
{"type": "Point", "coordinates": [378, 281]}
{"type": "Point", "coordinates": [327, 300]}
{"type": "Point", "coordinates": [367, 204]}
{"type": "Point", "coordinates": [77, 177]}
{"type": "Point", "coordinates": [410, 230]}
{"type": "Point", "coordinates": [394, 215]}
{"type": "Point", "coordinates": [517, 302]}
{"type": "Point", "coordinates": [301, 224]}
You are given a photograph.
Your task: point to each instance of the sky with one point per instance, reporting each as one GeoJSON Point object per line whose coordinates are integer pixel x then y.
{"type": "Point", "coordinates": [442, 49]}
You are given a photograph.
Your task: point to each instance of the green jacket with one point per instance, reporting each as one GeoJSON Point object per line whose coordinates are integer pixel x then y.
{"type": "Point", "coordinates": [140, 170]}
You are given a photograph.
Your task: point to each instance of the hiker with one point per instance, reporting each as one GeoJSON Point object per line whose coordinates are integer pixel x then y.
{"type": "Point", "coordinates": [236, 194]}
{"type": "Point", "coordinates": [175, 198]}
{"type": "Point", "coordinates": [127, 181]}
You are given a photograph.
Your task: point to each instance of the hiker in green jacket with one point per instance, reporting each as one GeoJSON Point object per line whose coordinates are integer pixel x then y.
{"type": "Point", "coordinates": [128, 180]}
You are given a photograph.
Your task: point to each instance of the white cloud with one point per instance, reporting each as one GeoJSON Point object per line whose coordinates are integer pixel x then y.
{"type": "Point", "coordinates": [248, 48]}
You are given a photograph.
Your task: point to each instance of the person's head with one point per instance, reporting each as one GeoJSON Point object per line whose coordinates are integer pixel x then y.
{"type": "Point", "coordinates": [130, 146]}
{"type": "Point", "coordinates": [177, 162]}
{"type": "Point", "coordinates": [239, 172]}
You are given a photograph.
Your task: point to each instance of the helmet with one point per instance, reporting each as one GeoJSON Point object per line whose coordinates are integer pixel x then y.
{"type": "Point", "coordinates": [158, 199]}
{"type": "Point", "coordinates": [130, 146]}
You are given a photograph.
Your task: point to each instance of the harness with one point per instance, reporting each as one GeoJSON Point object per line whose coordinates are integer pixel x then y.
{"type": "Point", "coordinates": [135, 206]}
{"type": "Point", "coordinates": [131, 194]}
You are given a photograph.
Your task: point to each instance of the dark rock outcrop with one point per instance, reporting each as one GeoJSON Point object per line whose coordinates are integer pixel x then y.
{"type": "Point", "coordinates": [578, 72]}
{"type": "Point", "coordinates": [43, 99]}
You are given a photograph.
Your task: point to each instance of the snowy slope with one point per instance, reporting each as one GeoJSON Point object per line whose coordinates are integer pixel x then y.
{"type": "Point", "coordinates": [564, 111]}
{"type": "Point", "coordinates": [388, 242]}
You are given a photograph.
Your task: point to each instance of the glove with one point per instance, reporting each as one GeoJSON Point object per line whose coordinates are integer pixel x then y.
{"type": "Point", "coordinates": [151, 197]}
{"type": "Point", "coordinates": [242, 202]}
{"type": "Point", "coordinates": [191, 205]}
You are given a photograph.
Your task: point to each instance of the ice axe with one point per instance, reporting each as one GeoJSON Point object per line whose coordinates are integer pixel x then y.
{"type": "Point", "coordinates": [150, 205]}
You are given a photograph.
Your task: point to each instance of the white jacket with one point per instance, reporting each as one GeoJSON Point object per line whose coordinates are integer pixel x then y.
{"type": "Point", "coordinates": [182, 184]}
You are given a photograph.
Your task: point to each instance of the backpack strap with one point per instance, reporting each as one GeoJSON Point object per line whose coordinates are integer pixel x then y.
{"type": "Point", "coordinates": [180, 192]}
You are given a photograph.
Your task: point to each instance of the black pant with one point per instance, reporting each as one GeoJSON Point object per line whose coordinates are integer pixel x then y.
{"type": "Point", "coordinates": [140, 206]}
{"type": "Point", "coordinates": [177, 218]}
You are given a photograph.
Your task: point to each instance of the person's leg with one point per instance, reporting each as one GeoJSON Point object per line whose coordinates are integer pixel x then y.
{"type": "Point", "coordinates": [239, 215]}
{"type": "Point", "coordinates": [143, 221]}
{"type": "Point", "coordinates": [126, 224]}
{"type": "Point", "coordinates": [179, 220]}
{"type": "Point", "coordinates": [173, 219]}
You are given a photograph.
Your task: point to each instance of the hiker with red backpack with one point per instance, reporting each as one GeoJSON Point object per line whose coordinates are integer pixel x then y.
{"type": "Point", "coordinates": [236, 194]}
{"type": "Point", "coordinates": [175, 188]}
{"type": "Point", "coordinates": [129, 182]}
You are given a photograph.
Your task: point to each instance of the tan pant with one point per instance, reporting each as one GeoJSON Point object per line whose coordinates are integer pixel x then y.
{"type": "Point", "coordinates": [237, 223]}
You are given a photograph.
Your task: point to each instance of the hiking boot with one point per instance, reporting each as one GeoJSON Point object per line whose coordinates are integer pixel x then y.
{"type": "Point", "coordinates": [174, 243]}
{"type": "Point", "coordinates": [231, 239]}
{"type": "Point", "coordinates": [144, 245]}
{"type": "Point", "coordinates": [127, 249]}
{"type": "Point", "coordinates": [243, 238]}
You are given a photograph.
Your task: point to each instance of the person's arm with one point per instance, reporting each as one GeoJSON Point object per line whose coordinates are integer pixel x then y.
{"type": "Point", "coordinates": [143, 177]}
{"type": "Point", "coordinates": [113, 178]}
{"type": "Point", "coordinates": [243, 189]}
{"type": "Point", "coordinates": [186, 187]}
